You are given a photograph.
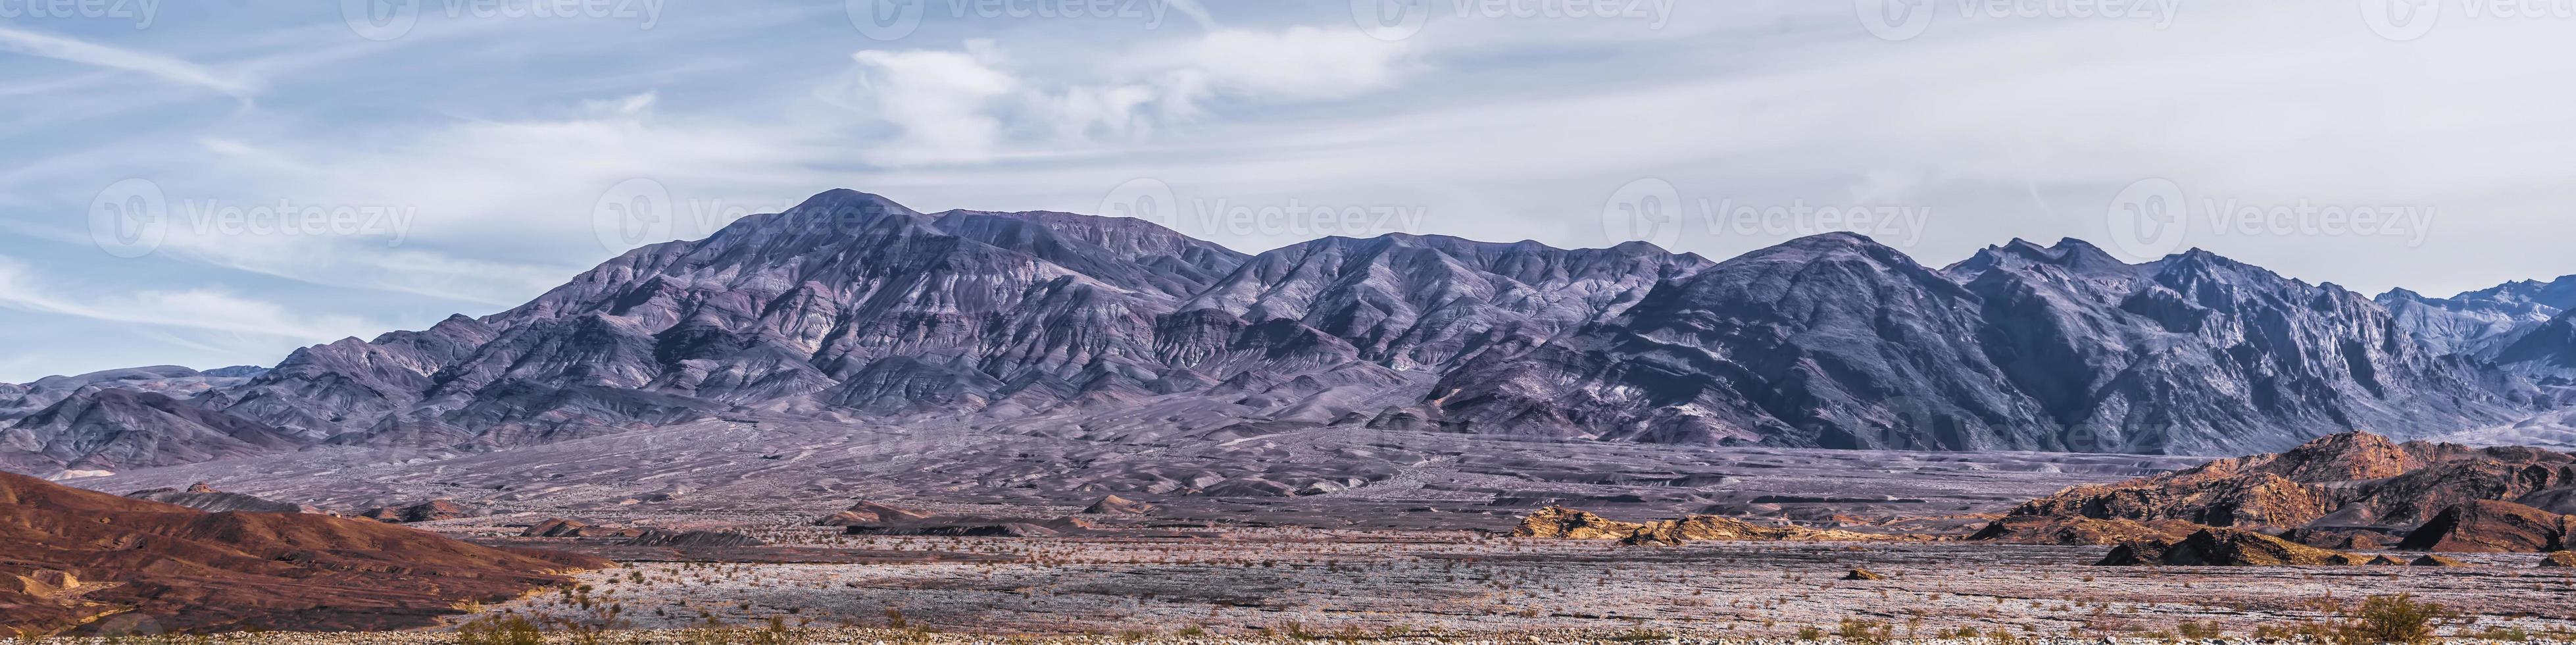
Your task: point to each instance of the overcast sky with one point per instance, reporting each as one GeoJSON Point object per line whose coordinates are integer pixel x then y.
{"type": "Point", "coordinates": [461, 156]}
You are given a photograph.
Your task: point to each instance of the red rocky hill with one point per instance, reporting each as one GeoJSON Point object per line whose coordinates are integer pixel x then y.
{"type": "Point", "coordinates": [2347, 491]}
{"type": "Point", "coordinates": [79, 561]}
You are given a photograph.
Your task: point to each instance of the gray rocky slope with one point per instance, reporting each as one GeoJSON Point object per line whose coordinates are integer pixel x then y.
{"type": "Point", "coordinates": [853, 308]}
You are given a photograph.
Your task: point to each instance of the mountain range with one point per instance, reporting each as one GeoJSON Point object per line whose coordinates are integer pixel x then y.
{"type": "Point", "coordinates": [852, 308]}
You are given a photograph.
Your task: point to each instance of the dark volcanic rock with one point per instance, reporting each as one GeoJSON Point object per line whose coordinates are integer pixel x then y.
{"type": "Point", "coordinates": [2430, 560]}
{"type": "Point", "coordinates": [2228, 548]}
{"type": "Point", "coordinates": [203, 498]}
{"type": "Point", "coordinates": [1005, 529]}
{"type": "Point", "coordinates": [2344, 538]}
{"type": "Point", "coordinates": [555, 527]}
{"type": "Point", "coordinates": [2489, 526]}
{"type": "Point", "coordinates": [429, 511]}
{"type": "Point", "coordinates": [2034, 529]}
{"type": "Point", "coordinates": [658, 537]}
{"type": "Point", "coordinates": [190, 570]}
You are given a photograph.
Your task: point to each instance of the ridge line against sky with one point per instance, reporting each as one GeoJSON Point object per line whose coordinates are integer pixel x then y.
{"type": "Point", "coordinates": [475, 151]}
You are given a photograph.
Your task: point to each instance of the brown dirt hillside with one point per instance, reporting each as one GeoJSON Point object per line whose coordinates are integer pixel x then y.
{"type": "Point", "coordinates": [2351, 490]}
{"type": "Point", "coordinates": [78, 561]}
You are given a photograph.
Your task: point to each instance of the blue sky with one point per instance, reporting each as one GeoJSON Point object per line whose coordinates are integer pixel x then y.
{"type": "Point", "coordinates": [460, 156]}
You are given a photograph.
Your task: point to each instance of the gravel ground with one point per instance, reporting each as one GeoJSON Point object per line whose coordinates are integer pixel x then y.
{"type": "Point", "coordinates": [1337, 583]}
{"type": "Point", "coordinates": [858, 636]}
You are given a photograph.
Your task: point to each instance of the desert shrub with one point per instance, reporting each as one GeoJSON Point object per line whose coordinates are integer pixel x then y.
{"type": "Point", "coordinates": [506, 629]}
{"type": "Point", "coordinates": [2504, 633]}
{"type": "Point", "coordinates": [1639, 635]}
{"type": "Point", "coordinates": [2199, 630]}
{"type": "Point", "coordinates": [1810, 633]}
{"type": "Point", "coordinates": [2392, 619]}
{"type": "Point", "coordinates": [1865, 632]}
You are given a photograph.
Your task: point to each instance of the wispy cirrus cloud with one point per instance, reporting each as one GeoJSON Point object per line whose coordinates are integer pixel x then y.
{"type": "Point", "coordinates": [118, 58]}
{"type": "Point", "coordinates": [193, 309]}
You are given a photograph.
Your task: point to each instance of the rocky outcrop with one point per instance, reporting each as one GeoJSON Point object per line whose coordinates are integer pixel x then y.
{"type": "Point", "coordinates": [975, 526]}
{"type": "Point", "coordinates": [870, 513]}
{"type": "Point", "coordinates": [206, 498]}
{"type": "Point", "coordinates": [194, 571]}
{"type": "Point", "coordinates": [429, 511]}
{"type": "Point", "coordinates": [1115, 505]}
{"type": "Point", "coordinates": [556, 528]}
{"type": "Point", "coordinates": [2559, 560]}
{"type": "Point", "coordinates": [665, 538]}
{"type": "Point", "coordinates": [2228, 548]}
{"type": "Point", "coordinates": [1558, 522]}
{"type": "Point", "coordinates": [2037, 529]}
{"type": "Point", "coordinates": [2431, 560]}
{"type": "Point", "coordinates": [2348, 491]}
{"type": "Point", "coordinates": [2489, 526]}
{"type": "Point", "coordinates": [1863, 574]}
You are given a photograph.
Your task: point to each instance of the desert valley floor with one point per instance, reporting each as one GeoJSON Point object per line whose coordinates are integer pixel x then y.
{"type": "Point", "coordinates": [1395, 534]}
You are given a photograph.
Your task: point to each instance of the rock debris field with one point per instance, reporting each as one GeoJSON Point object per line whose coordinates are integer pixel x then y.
{"type": "Point", "coordinates": [1333, 583]}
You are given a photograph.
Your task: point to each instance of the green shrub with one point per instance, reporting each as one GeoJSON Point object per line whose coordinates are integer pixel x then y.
{"type": "Point", "coordinates": [2392, 619]}
{"type": "Point", "coordinates": [506, 629]}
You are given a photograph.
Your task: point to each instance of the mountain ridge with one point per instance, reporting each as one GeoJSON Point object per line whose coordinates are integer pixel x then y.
{"type": "Point", "coordinates": [852, 306]}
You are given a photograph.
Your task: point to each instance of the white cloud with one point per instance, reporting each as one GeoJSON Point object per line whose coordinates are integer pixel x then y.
{"type": "Point", "coordinates": [959, 106]}
{"type": "Point", "coordinates": [88, 53]}
{"type": "Point", "coordinates": [939, 99]}
{"type": "Point", "coordinates": [1299, 63]}
{"type": "Point", "coordinates": [198, 309]}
